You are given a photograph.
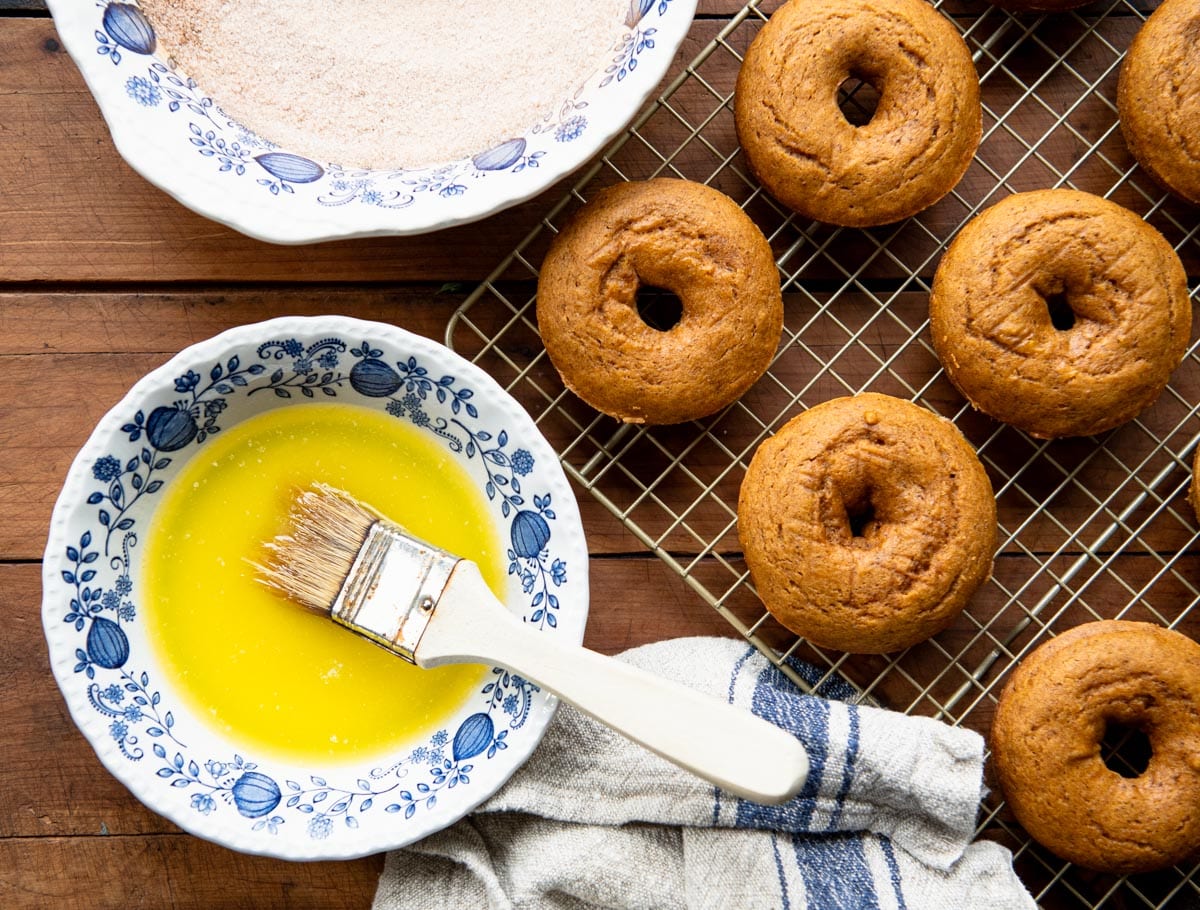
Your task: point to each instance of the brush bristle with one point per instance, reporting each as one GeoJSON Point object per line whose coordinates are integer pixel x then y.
{"type": "Point", "coordinates": [309, 565]}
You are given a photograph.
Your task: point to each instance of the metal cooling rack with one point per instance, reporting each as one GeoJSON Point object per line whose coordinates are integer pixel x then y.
{"type": "Point", "coordinates": [1089, 528]}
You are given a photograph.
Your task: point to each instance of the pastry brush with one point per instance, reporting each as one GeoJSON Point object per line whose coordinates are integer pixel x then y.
{"type": "Point", "coordinates": [343, 560]}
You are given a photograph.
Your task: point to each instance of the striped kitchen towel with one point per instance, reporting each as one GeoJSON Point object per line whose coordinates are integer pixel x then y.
{"type": "Point", "coordinates": [885, 821]}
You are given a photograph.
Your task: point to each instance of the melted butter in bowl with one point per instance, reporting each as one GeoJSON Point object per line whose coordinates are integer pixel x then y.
{"type": "Point", "coordinates": [262, 670]}
{"type": "Point", "coordinates": [237, 715]}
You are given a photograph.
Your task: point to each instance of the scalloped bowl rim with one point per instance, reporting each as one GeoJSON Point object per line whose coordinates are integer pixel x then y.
{"type": "Point", "coordinates": [138, 776]}
{"type": "Point", "coordinates": [209, 195]}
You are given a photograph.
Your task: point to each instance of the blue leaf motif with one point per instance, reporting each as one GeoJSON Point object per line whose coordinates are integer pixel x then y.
{"type": "Point", "coordinates": [255, 794]}
{"type": "Point", "coordinates": [289, 167]}
{"type": "Point", "coordinates": [529, 533]}
{"type": "Point", "coordinates": [501, 156]}
{"type": "Point", "coordinates": [472, 737]}
{"type": "Point", "coordinates": [107, 645]}
{"type": "Point", "coordinates": [127, 26]}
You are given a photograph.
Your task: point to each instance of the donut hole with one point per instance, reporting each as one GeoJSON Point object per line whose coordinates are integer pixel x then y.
{"type": "Point", "coordinates": [1125, 749]}
{"type": "Point", "coordinates": [659, 308]}
{"type": "Point", "coordinates": [860, 517]}
{"type": "Point", "coordinates": [1062, 315]}
{"type": "Point", "coordinates": [858, 98]}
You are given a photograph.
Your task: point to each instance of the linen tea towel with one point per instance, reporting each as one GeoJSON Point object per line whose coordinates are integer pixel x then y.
{"type": "Point", "coordinates": [884, 822]}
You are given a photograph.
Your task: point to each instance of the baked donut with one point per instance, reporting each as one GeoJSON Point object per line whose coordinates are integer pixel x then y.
{"type": "Point", "coordinates": [917, 145]}
{"type": "Point", "coordinates": [691, 240]}
{"type": "Point", "coordinates": [867, 523]}
{"type": "Point", "coordinates": [1158, 97]}
{"type": "Point", "coordinates": [1046, 741]}
{"type": "Point", "coordinates": [1060, 313]}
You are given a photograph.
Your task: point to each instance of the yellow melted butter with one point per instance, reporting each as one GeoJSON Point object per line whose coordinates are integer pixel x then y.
{"type": "Point", "coordinates": [266, 672]}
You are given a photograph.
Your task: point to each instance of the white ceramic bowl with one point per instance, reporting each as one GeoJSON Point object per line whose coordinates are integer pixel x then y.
{"type": "Point", "coordinates": [129, 707]}
{"type": "Point", "coordinates": [173, 133]}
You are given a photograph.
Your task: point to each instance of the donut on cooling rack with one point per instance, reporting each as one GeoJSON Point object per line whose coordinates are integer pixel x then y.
{"type": "Point", "coordinates": [1060, 313]}
{"type": "Point", "coordinates": [1158, 97]}
{"type": "Point", "coordinates": [867, 523]}
{"type": "Point", "coordinates": [1046, 745]}
{"type": "Point", "coordinates": [688, 239]}
{"type": "Point", "coordinates": [917, 145]}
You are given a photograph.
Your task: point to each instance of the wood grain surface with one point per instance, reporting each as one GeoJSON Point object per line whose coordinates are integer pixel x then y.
{"type": "Point", "coordinates": [104, 277]}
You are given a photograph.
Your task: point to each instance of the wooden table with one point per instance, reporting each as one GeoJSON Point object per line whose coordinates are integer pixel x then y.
{"type": "Point", "coordinates": [103, 278]}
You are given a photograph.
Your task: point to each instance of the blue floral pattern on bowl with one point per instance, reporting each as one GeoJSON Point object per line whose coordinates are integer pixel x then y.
{"type": "Point", "coordinates": [157, 114]}
{"type": "Point", "coordinates": [109, 673]}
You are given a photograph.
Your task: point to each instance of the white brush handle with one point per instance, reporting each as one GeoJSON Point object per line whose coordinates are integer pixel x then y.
{"type": "Point", "coordinates": [721, 743]}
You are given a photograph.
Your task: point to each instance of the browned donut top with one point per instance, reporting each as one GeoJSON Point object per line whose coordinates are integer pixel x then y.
{"type": "Point", "coordinates": [1046, 749]}
{"type": "Point", "coordinates": [674, 234]}
{"type": "Point", "coordinates": [1118, 287]}
{"type": "Point", "coordinates": [924, 131]}
{"type": "Point", "coordinates": [867, 522]}
{"type": "Point", "coordinates": [1158, 97]}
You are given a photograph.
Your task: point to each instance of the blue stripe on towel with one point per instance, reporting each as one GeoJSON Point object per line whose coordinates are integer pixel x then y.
{"type": "Point", "coordinates": [777, 700]}
{"type": "Point", "coordinates": [847, 768]}
{"type": "Point", "coordinates": [835, 872]}
{"type": "Point", "coordinates": [783, 889]}
{"type": "Point", "coordinates": [889, 854]}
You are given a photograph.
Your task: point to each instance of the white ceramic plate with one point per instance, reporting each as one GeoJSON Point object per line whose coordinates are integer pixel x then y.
{"type": "Point", "coordinates": [173, 133]}
{"type": "Point", "coordinates": [128, 706]}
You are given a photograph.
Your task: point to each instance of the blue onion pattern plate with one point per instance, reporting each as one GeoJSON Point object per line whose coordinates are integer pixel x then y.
{"type": "Point", "coordinates": [177, 137]}
{"type": "Point", "coordinates": [130, 709]}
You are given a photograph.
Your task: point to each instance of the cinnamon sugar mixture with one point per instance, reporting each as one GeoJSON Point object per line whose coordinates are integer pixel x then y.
{"type": "Point", "coordinates": [388, 83]}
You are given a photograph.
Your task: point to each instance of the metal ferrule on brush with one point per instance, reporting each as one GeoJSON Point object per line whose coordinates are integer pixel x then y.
{"type": "Point", "coordinates": [392, 589]}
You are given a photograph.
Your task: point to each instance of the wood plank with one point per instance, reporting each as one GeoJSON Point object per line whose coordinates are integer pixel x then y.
{"type": "Point", "coordinates": [62, 344]}
{"type": "Point", "coordinates": [52, 785]}
{"type": "Point", "coordinates": [96, 873]}
{"type": "Point", "coordinates": [73, 210]}
{"type": "Point", "coordinates": [101, 221]}
{"type": "Point", "coordinates": [727, 7]}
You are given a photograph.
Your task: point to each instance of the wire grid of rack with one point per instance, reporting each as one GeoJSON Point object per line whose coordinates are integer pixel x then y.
{"type": "Point", "coordinates": [1089, 528]}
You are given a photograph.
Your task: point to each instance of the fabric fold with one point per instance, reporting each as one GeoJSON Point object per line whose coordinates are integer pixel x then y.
{"type": "Point", "coordinates": [886, 818]}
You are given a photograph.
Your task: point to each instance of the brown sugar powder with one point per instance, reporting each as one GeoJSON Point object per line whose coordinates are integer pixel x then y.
{"type": "Point", "coordinates": [388, 83]}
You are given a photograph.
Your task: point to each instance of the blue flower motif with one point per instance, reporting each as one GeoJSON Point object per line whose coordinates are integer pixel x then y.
{"type": "Point", "coordinates": [203, 803]}
{"type": "Point", "coordinates": [522, 462]}
{"type": "Point", "coordinates": [302, 365]}
{"type": "Point", "coordinates": [113, 694]}
{"type": "Point", "coordinates": [293, 348]}
{"type": "Point", "coordinates": [328, 360]}
{"type": "Point", "coordinates": [123, 584]}
{"type": "Point", "coordinates": [510, 704]}
{"type": "Point", "coordinates": [319, 827]}
{"type": "Point", "coordinates": [127, 611]}
{"type": "Point", "coordinates": [187, 381]}
{"type": "Point", "coordinates": [527, 581]}
{"type": "Point", "coordinates": [558, 571]}
{"type": "Point", "coordinates": [419, 755]}
{"type": "Point", "coordinates": [132, 713]}
{"type": "Point", "coordinates": [118, 730]}
{"type": "Point", "coordinates": [111, 600]}
{"type": "Point", "coordinates": [571, 128]}
{"type": "Point", "coordinates": [369, 197]}
{"type": "Point", "coordinates": [214, 407]}
{"type": "Point", "coordinates": [452, 189]}
{"type": "Point", "coordinates": [142, 91]}
{"type": "Point", "coordinates": [440, 738]}
{"type": "Point", "coordinates": [415, 413]}
{"type": "Point", "coordinates": [106, 469]}
{"type": "Point", "coordinates": [395, 408]}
